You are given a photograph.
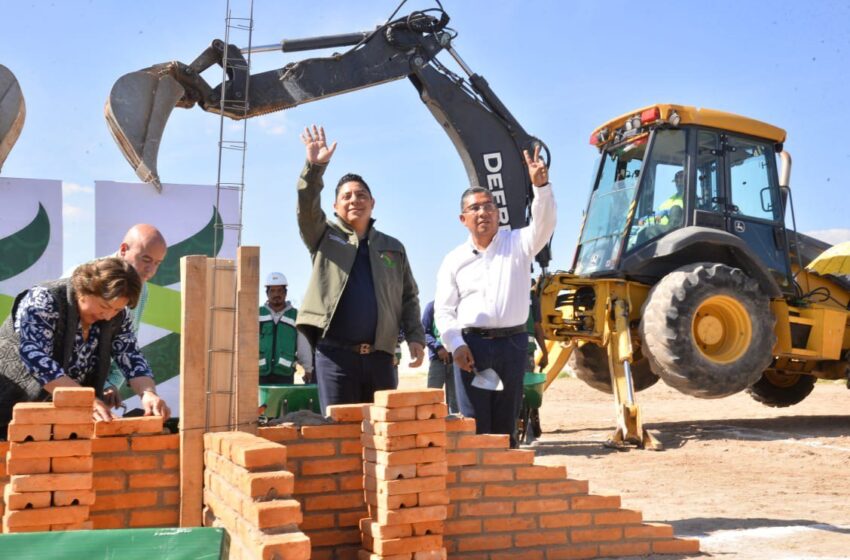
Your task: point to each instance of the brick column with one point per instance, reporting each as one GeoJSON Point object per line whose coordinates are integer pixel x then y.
{"type": "Point", "coordinates": [50, 464]}
{"type": "Point", "coordinates": [404, 441]}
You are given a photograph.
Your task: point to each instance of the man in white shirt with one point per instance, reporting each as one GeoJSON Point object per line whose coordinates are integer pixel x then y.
{"type": "Point", "coordinates": [482, 301]}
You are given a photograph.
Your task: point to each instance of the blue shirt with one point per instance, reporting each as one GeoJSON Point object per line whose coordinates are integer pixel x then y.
{"type": "Point", "coordinates": [35, 323]}
{"type": "Point", "coordinates": [356, 316]}
{"type": "Point", "coordinates": [432, 335]}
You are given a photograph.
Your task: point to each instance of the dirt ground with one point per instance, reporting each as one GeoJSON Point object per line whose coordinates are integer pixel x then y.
{"type": "Point", "coordinates": [750, 482]}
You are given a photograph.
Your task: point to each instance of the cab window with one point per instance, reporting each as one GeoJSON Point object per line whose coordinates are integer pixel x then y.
{"type": "Point", "coordinates": [752, 191]}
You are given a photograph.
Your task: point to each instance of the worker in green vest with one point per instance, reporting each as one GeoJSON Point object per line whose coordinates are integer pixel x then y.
{"type": "Point", "coordinates": [670, 212]}
{"type": "Point", "coordinates": [281, 345]}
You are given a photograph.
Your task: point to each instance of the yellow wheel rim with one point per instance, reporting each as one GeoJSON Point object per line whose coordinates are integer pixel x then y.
{"type": "Point", "coordinates": [782, 379]}
{"type": "Point", "coordinates": [722, 329]}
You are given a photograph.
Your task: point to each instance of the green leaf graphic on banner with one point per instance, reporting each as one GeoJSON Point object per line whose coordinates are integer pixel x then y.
{"type": "Point", "coordinates": [199, 244]}
{"type": "Point", "coordinates": [163, 308]}
{"type": "Point", "coordinates": [22, 249]}
{"type": "Point", "coordinates": [5, 306]}
{"type": "Point", "coordinates": [163, 355]}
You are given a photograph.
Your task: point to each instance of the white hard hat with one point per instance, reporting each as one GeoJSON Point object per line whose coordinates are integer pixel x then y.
{"type": "Point", "coordinates": [276, 279]}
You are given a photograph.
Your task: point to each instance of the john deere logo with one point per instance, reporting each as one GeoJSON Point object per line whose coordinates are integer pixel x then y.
{"type": "Point", "coordinates": [24, 248]}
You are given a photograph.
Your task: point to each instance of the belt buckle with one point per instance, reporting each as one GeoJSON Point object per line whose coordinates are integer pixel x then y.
{"type": "Point", "coordinates": [364, 348]}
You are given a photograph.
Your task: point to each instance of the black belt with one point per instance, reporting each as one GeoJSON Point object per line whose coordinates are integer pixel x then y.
{"type": "Point", "coordinates": [501, 332]}
{"type": "Point", "coordinates": [363, 348]}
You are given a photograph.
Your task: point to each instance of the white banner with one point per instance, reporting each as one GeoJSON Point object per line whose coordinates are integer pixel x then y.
{"type": "Point", "coordinates": [30, 236]}
{"type": "Point", "coordinates": [186, 215]}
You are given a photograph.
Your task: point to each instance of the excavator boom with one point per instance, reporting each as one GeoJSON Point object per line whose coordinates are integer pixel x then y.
{"type": "Point", "coordinates": [12, 112]}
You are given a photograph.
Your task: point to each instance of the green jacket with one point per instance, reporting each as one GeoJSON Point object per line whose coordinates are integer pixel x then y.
{"type": "Point", "coordinates": [278, 342]}
{"type": "Point", "coordinates": [333, 248]}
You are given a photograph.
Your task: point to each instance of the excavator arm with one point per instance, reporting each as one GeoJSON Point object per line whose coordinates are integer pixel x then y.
{"type": "Point", "coordinates": [486, 135]}
{"type": "Point", "coordinates": [12, 112]}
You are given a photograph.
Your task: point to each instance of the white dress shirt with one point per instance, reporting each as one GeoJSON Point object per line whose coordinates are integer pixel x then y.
{"type": "Point", "coordinates": [490, 288]}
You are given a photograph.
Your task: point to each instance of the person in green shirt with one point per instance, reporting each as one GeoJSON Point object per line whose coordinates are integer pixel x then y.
{"type": "Point", "coordinates": [281, 345]}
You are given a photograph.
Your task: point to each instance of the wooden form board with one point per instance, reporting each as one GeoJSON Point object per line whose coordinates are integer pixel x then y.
{"type": "Point", "coordinates": [247, 338]}
{"type": "Point", "coordinates": [221, 321]}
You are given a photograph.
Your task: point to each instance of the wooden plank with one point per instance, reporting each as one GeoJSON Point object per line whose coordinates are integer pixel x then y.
{"type": "Point", "coordinates": [247, 337]}
{"type": "Point", "coordinates": [222, 322]}
{"type": "Point", "coordinates": [193, 375]}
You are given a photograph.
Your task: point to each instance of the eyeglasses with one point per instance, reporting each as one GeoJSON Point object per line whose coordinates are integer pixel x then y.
{"type": "Point", "coordinates": [475, 208]}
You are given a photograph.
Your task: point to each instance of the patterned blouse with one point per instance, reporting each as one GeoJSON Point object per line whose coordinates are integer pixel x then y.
{"type": "Point", "coordinates": [35, 323]}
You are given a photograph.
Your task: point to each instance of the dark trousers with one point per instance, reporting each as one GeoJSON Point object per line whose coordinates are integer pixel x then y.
{"type": "Point", "coordinates": [440, 374]}
{"type": "Point", "coordinates": [495, 412]}
{"type": "Point", "coordinates": [345, 377]}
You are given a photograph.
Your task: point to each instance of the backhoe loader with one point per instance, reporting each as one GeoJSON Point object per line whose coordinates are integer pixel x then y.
{"type": "Point", "coordinates": [685, 270]}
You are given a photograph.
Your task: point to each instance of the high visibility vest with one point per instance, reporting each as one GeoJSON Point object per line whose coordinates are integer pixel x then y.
{"type": "Point", "coordinates": [667, 206]}
{"type": "Point", "coordinates": [278, 342]}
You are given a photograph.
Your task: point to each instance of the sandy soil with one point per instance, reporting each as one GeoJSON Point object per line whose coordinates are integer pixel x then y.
{"type": "Point", "coordinates": [750, 482]}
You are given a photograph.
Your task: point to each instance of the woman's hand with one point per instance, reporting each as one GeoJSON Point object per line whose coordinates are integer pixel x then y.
{"type": "Point", "coordinates": [154, 405]}
{"type": "Point", "coordinates": [101, 412]}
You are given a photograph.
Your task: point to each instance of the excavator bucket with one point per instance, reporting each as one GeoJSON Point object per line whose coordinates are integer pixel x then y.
{"type": "Point", "coordinates": [138, 108]}
{"type": "Point", "coordinates": [12, 112]}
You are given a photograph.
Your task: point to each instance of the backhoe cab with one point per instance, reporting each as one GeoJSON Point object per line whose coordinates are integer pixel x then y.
{"type": "Point", "coordinates": [685, 270]}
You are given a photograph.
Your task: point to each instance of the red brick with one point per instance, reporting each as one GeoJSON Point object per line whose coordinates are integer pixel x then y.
{"type": "Point", "coordinates": [73, 497]}
{"type": "Point", "coordinates": [314, 485]}
{"type": "Point", "coordinates": [82, 397]}
{"type": "Point", "coordinates": [462, 458]}
{"type": "Point", "coordinates": [676, 546]}
{"type": "Point", "coordinates": [28, 466]}
{"type": "Point", "coordinates": [463, 527]}
{"type": "Point", "coordinates": [346, 412]}
{"type": "Point", "coordinates": [412, 515]}
{"type": "Point", "coordinates": [350, 447]}
{"type": "Point", "coordinates": [556, 520]}
{"type": "Point", "coordinates": [412, 485]}
{"type": "Point", "coordinates": [483, 441]}
{"type": "Point", "coordinates": [621, 517]}
{"type": "Point", "coordinates": [485, 509]}
{"type": "Point", "coordinates": [461, 493]}
{"type": "Point", "coordinates": [314, 521]}
{"type": "Point", "coordinates": [382, 443]}
{"type": "Point", "coordinates": [406, 545]}
{"type": "Point", "coordinates": [486, 542]}
{"type": "Point", "coordinates": [279, 434]}
{"type": "Point", "coordinates": [509, 457]}
{"type": "Point", "coordinates": [541, 472]}
{"type": "Point", "coordinates": [596, 535]}
{"type": "Point", "coordinates": [408, 397]}
{"type": "Point", "coordinates": [649, 531]}
{"type": "Point", "coordinates": [166, 517]}
{"type": "Point", "coordinates": [29, 432]}
{"type": "Point", "coordinates": [259, 455]}
{"type": "Point", "coordinates": [334, 538]}
{"type": "Point", "coordinates": [595, 502]}
{"type": "Point", "coordinates": [330, 431]}
{"type": "Point", "coordinates": [625, 549]}
{"type": "Point", "coordinates": [302, 449]}
{"type": "Point", "coordinates": [155, 443]}
{"type": "Point", "coordinates": [572, 552]}
{"type": "Point", "coordinates": [110, 445]}
{"type": "Point", "coordinates": [429, 411]}
{"type": "Point", "coordinates": [125, 463]}
{"type": "Point", "coordinates": [71, 464]}
{"type": "Point", "coordinates": [351, 482]}
{"type": "Point", "coordinates": [537, 538]}
{"type": "Point", "coordinates": [510, 490]}
{"type": "Point", "coordinates": [432, 469]}
{"type": "Point", "coordinates": [107, 482]}
{"type": "Point", "coordinates": [331, 466]}
{"type": "Point", "coordinates": [407, 457]}
{"type": "Point", "coordinates": [45, 482]}
{"type": "Point", "coordinates": [434, 498]}
{"type": "Point", "coordinates": [46, 516]}
{"type": "Point", "coordinates": [289, 546]}
{"type": "Point", "coordinates": [431, 439]}
{"type": "Point", "coordinates": [267, 485]}
{"type": "Point", "coordinates": [46, 413]}
{"type": "Point", "coordinates": [155, 480]}
{"type": "Point", "coordinates": [333, 501]}
{"type": "Point", "coordinates": [273, 514]}
{"type": "Point", "coordinates": [170, 461]}
{"type": "Point", "coordinates": [438, 554]}
{"type": "Point", "coordinates": [73, 431]}
{"type": "Point", "coordinates": [562, 487]}
{"type": "Point", "coordinates": [381, 414]}
{"type": "Point", "coordinates": [124, 500]}
{"type": "Point", "coordinates": [518, 555]}
{"type": "Point", "coordinates": [486, 475]}
{"type": "Point", "coordinates": [386, 472]}
{"type": "Point", "coordinates": [541, 506]}
{"type": "Point", "coordinates": [409, 428]}
{"type": "Point", "coordinates": [460, 425]}
{"type": "Point", "coordinates": [26, 500]}
{"type": "Point", "coordinates": [513, 523]}
{"type": "Point", "coordinates": [351, 518]}
{"type": "Point", "coordinates": [36, 449]}
{"type": "Point", "coordinates": [127, 426]}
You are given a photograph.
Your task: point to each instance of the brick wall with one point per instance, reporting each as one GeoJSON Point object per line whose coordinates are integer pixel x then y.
{"type": "Point", "coordinates": [248, 492]}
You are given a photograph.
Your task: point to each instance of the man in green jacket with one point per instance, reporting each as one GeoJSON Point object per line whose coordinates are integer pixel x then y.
{"type": "Point", "coordinates": [281, 345]}
{"type": "Point", "coordinates": [362, 291]}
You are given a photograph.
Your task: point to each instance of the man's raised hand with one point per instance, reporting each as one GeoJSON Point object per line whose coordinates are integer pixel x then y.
{"type": "Point", "coordinates": [537, 171]}
{"type": "Point", "coordinates": [316, 145]}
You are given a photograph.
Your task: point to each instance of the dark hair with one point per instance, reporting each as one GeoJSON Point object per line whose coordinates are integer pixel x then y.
{"type": "Point", "coordinates": [474, 190]}
{"type": "Point", "coordinates": [349, 178]}
{"type": "Point", "coordinates": [110, 278]}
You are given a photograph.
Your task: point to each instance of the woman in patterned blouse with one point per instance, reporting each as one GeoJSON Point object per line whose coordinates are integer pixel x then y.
{"type": "Point", "coordinates": [67, 331]}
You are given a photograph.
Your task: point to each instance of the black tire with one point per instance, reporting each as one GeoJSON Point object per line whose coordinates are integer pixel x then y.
{"type": "Point", "coordinates": [779, 389]}
{"type": "Point", "coordinates": [590, 362]}
{"type": "Point", "coordinates": [707, 330]}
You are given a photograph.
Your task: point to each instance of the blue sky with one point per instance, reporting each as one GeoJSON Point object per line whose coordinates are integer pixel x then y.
{"type": "Point", "coordinates": [562, 68]}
